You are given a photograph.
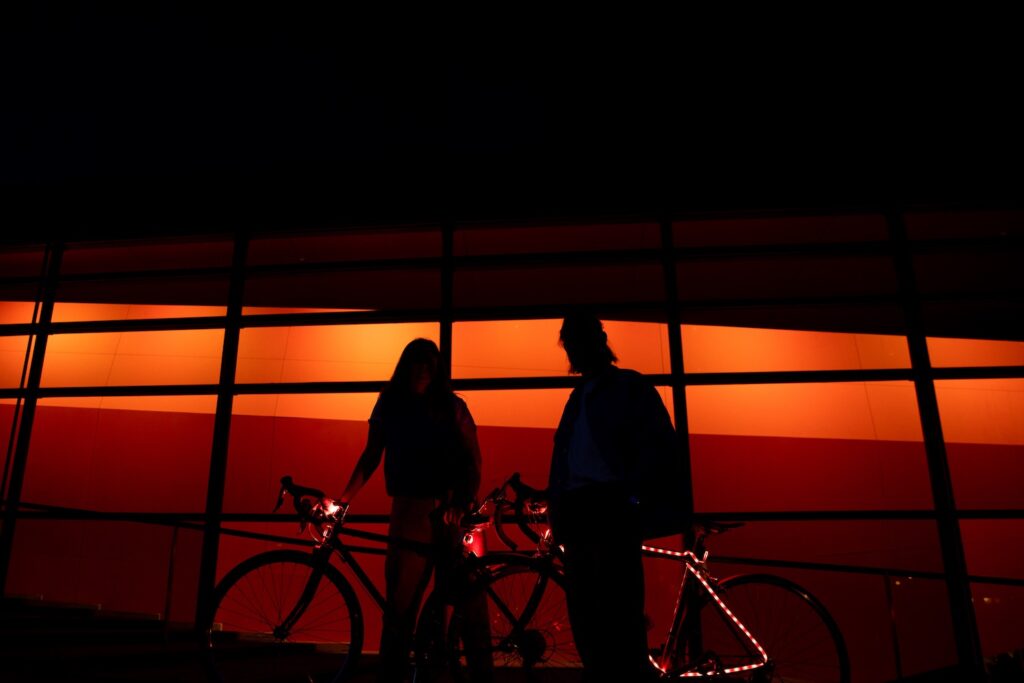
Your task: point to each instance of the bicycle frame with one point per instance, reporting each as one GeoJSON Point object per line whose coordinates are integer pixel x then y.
{"type": "Point", "coordinates": [694, 566]}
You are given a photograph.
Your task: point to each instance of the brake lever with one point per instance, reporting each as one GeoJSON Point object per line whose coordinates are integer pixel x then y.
{"type": "Point", "coordinates": [285, 483]}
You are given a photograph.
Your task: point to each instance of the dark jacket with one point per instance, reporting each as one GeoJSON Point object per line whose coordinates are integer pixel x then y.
{"type": "Point", "coordinates": [633, 432]}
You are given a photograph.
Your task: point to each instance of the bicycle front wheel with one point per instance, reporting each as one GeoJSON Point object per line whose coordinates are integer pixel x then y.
{"type": "Point", "coordinates": [527, 620]}
{"type": "Point", "coordinates": [802, 641]}
{"type": "Point", "coordinates": [284, 616]}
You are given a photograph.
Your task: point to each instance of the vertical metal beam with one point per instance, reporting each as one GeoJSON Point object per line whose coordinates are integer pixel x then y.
{"type": "Point", "coordinates": [447, 293]}
{"type": "Point", "coordinates": [675, 346]}
{"type": "Point", "coordinates": [221, 432]}
{"type": "Point", "coordinates": [965, 629]}
{"type": "Point", "coordinates": [55, 253]}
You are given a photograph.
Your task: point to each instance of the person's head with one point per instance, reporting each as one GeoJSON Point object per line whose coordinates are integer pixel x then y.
{"type": "Point", "coordinates": [585, 343]}
{"type": "Point", "coordinates": [419, 368]}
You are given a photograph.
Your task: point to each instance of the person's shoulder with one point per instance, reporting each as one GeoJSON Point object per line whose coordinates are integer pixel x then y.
{"type": "Point", "coordinates": [461, 409]}
{"type": "Point", "coordinates": [628, 376]}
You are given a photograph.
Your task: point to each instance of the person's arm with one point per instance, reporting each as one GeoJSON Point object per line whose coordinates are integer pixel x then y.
{"type": "Point", "coordinates": [467, 486]}
{"type": "Point", "coordinates": [367, 463]}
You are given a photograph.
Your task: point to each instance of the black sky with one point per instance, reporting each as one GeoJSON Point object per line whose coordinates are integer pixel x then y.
{"type": "Point", "coordinates": [150, 112]}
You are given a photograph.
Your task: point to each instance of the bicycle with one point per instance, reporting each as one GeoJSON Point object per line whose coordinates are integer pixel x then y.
{"type": "Point", "coordinates": [294, 613]}
{"type": "Point", "coordinates": [750, 627]}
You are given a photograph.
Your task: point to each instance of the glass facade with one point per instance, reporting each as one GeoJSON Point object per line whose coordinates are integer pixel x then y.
{"type": "Point", "coordinates": [782, 348]}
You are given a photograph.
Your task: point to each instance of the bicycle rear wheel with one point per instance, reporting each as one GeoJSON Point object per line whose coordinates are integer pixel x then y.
{"type": "Point", "coordinates": [282, 616]}
{"type": "Point", "coordinates": [528, 622]}
{"type": "Point", "coordinates": [803, 642]}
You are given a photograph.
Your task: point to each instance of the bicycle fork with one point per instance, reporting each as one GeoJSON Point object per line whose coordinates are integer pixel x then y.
{"type": "Point", "coordinates": [680, 618]}
{"type": "Point", "coordinates": [284, 629]}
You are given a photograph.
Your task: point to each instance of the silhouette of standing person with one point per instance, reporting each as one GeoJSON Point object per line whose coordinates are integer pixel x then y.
{"type": "Point", "coordinates": [612, 434]}
{"type": "Point", "coordinates": [427, 438]}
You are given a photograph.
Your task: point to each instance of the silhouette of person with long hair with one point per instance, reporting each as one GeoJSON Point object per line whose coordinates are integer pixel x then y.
{"type": "Point", "coordinates": [612, 434]}
{"type": "Point", "coordinates": [427, 438]}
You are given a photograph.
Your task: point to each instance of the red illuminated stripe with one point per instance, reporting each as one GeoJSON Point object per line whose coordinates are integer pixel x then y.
{"type": "Point", "coordinates": [687, 556]}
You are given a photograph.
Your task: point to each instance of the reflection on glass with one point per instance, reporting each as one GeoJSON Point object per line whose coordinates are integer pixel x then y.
{"type": "Point", "coordinates": [999, 611]}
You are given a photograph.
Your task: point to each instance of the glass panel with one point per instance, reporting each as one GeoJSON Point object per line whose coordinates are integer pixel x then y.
{"type": "Point", "coordinates": [983, 424]}
{"type": "Point", "coordinates": [957, 270]}
{"type": "Point", "coordinates": [999, 611]}
{"type": "Point", "coordinates": [992, 547]}
{"type": "Point", "coordinates": [236, 547]}
{"type": "Point", "coordinates": [913, 610]}
{"type": "Point", "coordinates": [21, 261]}
{"type": "Point", "coordinates": [908, 545]}
{"type": "Point", "coordinates": [133, 358]}
{"type": "Point", "coordinates": [323, 354]}
{"type": "Point", "coordinates": [477, 240]}
{"type": "Point", "coordinates": [551, 285]}
{"type": "Point", "coordinates": [785, 276]}
{"type": "Point", "coordinates": [146, 255]}
{"type": "Point", "coordinates": [145, 454]}
{"type": "Point", "coordinates": [836, 446]}
{"type": "Point", "coordinates": [784, 230]}
{"type": "Point", "coordinates": [529, 348]}
{"type": "Point", "coordinates": [516, 428]}
{"type": "Point", "coordinates": [17, 302]}
{"type": "Point", "coordinates": [994, 315]}
{"type": "Point", "coordinates": [947, 353]}
{"type": "Point", "coordinates": [859, 605]}
{"type": "Point", "coordinates": [123, 566]}
{"type": "Point", "coordinates": [923, 623]}
{"type": "Point", "coordinates": [827, 316]}
{"type": "Point", "coordinates": [14, 359]}
{"type": "Point", "coordinates": [135, 298]}
{"type": "Point", "coordinates": [346, 290]}
{"type": "Point", "coordinates": [709, 348]}
{"type": "Point", "coordinates": [950, 224]}
{"type": "Point", "coordinates": [356, 245]}
{"type": "Point", "coordinates": [7, 410]}
{"type": "Point", "coordinates": [315, 438]}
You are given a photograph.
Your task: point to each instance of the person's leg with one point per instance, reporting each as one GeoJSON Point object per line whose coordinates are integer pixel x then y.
{"type": "Point", "coordinates": [621, 638]}
{"type": "Point", "coordinates": [406, 574]}
{"type": "Point", "coordinates": [470, 601]}
{"type": "Point", "coordinates": [580, 535]}
{"type": "Point", "coordinates": [605, 585]}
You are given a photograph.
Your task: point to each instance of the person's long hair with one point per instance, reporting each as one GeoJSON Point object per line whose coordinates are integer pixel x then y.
{"type": "Point", "coordinates": [439, 391]}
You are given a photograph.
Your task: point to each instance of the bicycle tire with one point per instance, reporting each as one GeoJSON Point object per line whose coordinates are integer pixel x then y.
{"type": "Point", "coordinates": [802, 639]}
{"type": "Point", "coordinates": [528, 620]}
{"type": "Point", "coordinates": [252, 600]}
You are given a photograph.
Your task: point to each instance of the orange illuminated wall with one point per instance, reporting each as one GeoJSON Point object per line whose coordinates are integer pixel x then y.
{"type": "Point", "coordinates": [754, 447]}
{"type": "Point", "coordinates": [323, 354]}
